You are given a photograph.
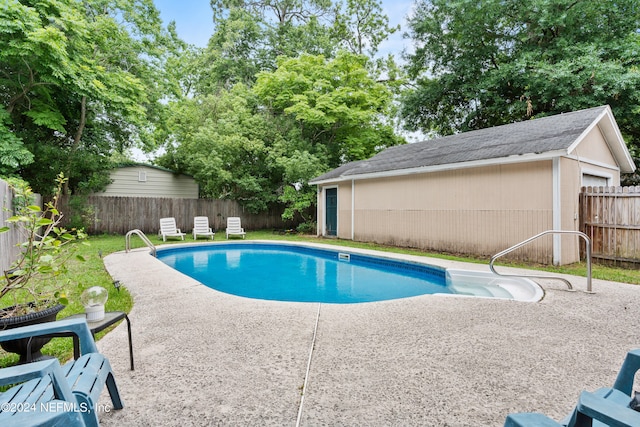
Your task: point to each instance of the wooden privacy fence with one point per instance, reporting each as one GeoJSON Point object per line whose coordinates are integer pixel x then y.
{"type": "Point", "coordinates": [610, 216]}
{"type": "Point", "coordinates": [8, 241]}
{"type": "Point", "coordinates": [119, 215]}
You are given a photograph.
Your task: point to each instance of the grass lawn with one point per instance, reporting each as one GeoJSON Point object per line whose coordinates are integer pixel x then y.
{"type": "Point", "coordinates": [80, 276]}
{"type": "Point", "coordinates": [83, 275]}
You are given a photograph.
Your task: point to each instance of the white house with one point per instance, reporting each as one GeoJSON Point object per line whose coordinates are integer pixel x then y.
{"type": "Point", "coordinates": [138, 180]}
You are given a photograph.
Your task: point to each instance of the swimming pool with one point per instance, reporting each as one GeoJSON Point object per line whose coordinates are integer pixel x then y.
{"type": "Point", "coordinates": [298, 272]}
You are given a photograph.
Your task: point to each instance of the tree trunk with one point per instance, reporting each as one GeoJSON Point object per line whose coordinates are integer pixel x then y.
{"type": "Point", "coordinates": [76, 140]}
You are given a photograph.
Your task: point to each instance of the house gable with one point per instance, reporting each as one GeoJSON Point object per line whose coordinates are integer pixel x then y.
{"type": "Point", "coordinates": [608, 127]}
{"type": "Point", "coordinates": [149, 181]}
{"type": "Point", "coordinates": [594, 150]}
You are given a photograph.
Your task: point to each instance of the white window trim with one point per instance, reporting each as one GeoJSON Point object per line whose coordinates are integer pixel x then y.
{"type": "Point", "coordinates": [598, 173]}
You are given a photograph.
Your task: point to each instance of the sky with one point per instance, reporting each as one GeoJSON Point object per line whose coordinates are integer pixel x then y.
{"type": "Point", "coordinates": [193, 21]}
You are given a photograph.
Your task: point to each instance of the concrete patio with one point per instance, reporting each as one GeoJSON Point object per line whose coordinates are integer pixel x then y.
{"type": "Point", "coordinates": [206, 358]}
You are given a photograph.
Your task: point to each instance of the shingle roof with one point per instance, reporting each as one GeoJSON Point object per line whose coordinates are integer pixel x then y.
{"type": "Point", "coordinates": [547, 134]}
{"type": "Point", "coordinates": [132, 164]}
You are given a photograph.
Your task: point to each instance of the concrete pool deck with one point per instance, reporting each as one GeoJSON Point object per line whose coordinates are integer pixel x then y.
{"type": "Point", "coordinates": [206, 358]}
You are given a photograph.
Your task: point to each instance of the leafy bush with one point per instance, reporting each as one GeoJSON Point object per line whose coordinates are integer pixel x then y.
{"type": "Point", "coordinates": [308, 227]}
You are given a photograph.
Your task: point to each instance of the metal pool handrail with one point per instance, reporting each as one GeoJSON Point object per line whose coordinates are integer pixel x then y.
{"type": "Point", "coordinates": [514, 247]}
{"type": "Point", "coordinates": [127, 241]}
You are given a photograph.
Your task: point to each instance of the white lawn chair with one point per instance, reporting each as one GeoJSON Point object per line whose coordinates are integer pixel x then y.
{"type": "Point", "coordinates": [168, 229]}
{"type": "Point", "coordinates": [201, 227]}
{"type": "Point", "coordinates": [234, 227]}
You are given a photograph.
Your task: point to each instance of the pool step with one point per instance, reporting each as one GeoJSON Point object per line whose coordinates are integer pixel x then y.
{"type": "Point", "coordinates": [486, 284]}
{"type": "Point", "coordinates": [479, 290]}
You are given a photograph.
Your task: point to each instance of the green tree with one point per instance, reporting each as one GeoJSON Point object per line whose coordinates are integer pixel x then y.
{"type": "Point", "coordinates": [338, 112]}
{"type": "Point", "coordinates": [262, 145]}
{"type": "Point", "coordinates": [224, 145]}
{"type": "Point", "coordinates": [362, 26]}
{"type": "Point", "coordinates": [250, 35]}
{"type": "Point", "coordinates": [481, 64]}
{"type": "Point", "coordinates": [276, 99]}
{"type": "Point", "coordinates": [338, 107]}
{"type": "Point", "coordinates": [233, 53]}
{"type": "Point", "coordinates": [78, 80]}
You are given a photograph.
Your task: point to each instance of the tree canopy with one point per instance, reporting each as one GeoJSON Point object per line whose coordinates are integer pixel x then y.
{"type": "Point", "coordinates": [482, 64]}
{"type": "Point", "coordinates": [263, 144]}
{"type": "Point", "coordinates": [78, 80]}
{"type": "Point", "coordinates": [284, 91]}
{"type": "Point", "coordinates": [288, 89]}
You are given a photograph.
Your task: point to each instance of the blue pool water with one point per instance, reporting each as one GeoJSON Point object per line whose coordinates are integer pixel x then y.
{"type": "Point", "coordinates": [294, 273]}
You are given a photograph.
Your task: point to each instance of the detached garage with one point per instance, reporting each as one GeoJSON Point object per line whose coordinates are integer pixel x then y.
{"type": "Point", "coordinates": [479, 192]}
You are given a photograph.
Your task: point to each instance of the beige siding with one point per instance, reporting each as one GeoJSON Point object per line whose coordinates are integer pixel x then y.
{"type": "Point", "coordinates": [159, 183]}
{"type": "Point", "coordinates": [594, 148]}
{"type": "Point", "coordinates": [594, 157]}
{"type": "Point", "coordinates": [570, 183]}
{"type": "Point", "coordinates": [487, 188]}
{"type": "Point", "coordinates": [479, 210]}
{"type": "Point", "coordinates": [344, 211]}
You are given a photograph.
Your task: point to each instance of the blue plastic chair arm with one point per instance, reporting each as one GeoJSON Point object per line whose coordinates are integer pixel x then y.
{"type": "Point", "coordinates": [612, 414]}
{"type": "Point", "coordinates": [530, 419]}
{"type": "Point", "coordinates": [21, 373]}
{"type": "Point", "coordinates": [76, 326]}
{"type": "Point", "coordinates": [631, 364]}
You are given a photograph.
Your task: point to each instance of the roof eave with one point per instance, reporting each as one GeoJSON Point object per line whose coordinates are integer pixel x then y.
{"type": "Point", "coordinates": [449, 166]}
{"type": "Point", "coordinates": [146, 165]}
{"type": "Point", "coordinates": [611, 131]}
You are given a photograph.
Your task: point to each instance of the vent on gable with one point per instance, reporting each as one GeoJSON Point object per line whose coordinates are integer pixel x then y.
{"type": "Point", "coordinates": [142, 176]}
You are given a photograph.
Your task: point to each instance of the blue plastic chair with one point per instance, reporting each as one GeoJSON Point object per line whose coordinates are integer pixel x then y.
{"type": "Point", "coordinates": [604, 407]}
{"type": "Point", "coordinates": [42, 398]}
{"type": "Point", "coordinates": [86, 377]}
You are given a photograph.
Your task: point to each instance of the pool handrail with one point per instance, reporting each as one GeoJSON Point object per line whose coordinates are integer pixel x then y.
{"type": "Point", "coordinates": [145, 239]}
{"type": "Point", "coordinates": [544, 233]}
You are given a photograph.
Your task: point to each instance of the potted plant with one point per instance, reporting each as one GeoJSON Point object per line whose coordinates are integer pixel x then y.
{"type": "Point", "coordinates": [30, 289]}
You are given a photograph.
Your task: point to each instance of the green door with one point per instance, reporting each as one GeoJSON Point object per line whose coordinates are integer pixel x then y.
{"type": "Point", "coordinates": [331, 206]}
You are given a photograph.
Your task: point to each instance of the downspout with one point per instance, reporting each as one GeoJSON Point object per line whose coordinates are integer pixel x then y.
{"type": "Point", "coordinates": [556, 212]}
{"type": "Point", "coordinates": [353, 209]}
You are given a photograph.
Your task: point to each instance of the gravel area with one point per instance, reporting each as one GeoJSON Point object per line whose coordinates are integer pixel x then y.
{"type": "Point", "coordinates": [205, 358]}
